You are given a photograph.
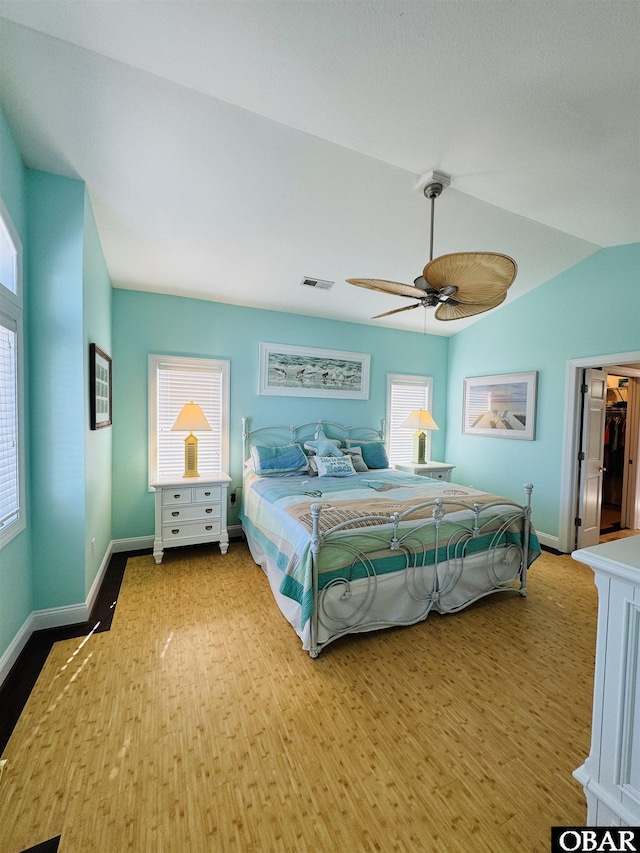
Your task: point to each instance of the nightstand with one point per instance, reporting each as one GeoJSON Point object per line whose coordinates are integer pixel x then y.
{"type": "Point", "coordinates": [190, 511]}
{"type": "Point", "coordinates": [435, 470]}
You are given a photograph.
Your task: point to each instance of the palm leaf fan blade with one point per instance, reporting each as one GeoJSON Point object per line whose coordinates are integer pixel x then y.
{"type": "Point", "coordinates": [481, 277]}
{"type": "Point", "coordinates": [394, 287]}
{"type": "Point", "coordinates": [452, 310]}
{"type": "Point", "coordinates": [396, 311]}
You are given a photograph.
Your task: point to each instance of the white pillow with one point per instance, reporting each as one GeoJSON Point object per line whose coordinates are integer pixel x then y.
{"type": "Point", "coordinates": [334, 466]}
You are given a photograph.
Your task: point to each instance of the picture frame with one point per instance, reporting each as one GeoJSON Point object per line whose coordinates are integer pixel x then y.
{"type": "Point", "coordinates": [500, 406]}
{"type": "Point", "coordinates": [99, 387]}
{"type": "Point", "coordinates": [293, 371]}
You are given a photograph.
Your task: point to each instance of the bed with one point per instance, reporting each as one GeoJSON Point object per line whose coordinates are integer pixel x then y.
{"type": "Point", "coordinates": [348, 547]}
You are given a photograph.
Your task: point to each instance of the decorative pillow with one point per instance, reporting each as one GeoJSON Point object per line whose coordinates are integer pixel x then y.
{"type": "Point", "coordinates": [355, 453]}
{"type": "Point", "coordinates": [323, 446]}
{"type": "Point", "coordinates": [375, 455]}
{"type": "Point", "coordinates": [278, 461]}
{"type": "Point", "coordinates": [331, 466]}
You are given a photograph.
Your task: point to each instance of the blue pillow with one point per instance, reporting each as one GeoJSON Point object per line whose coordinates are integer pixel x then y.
{"type": "Point", "coordinates": [374, 454]}
{"type": "Point", "coordinates": [323, 446]}
{"type": "Point", "coordinates": [277, 461]}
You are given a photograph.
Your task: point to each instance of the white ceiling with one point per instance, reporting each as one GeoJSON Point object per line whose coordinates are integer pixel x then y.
{"type": "Point", "coordinates": [232, 148]}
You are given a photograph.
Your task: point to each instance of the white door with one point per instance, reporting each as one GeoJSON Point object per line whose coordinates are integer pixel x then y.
{"type": "Point", "coordinates": [631, 484]}
{"type": "Point", "coordinates": [591, 457]}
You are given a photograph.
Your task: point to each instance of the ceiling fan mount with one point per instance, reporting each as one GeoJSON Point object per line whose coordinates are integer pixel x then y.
{"type": "Point", "coordinates": [458, 285]}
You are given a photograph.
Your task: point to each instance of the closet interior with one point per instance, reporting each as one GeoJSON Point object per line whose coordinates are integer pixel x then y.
{"type": "Point", "coordinates": [614, 459]}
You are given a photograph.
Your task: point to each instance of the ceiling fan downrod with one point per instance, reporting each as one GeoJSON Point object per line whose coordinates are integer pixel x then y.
{"type": "Point", "coordinates": [432, 190]}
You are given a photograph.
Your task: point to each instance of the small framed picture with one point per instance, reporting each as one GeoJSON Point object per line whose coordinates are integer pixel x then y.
{"type": "Point", "coordinates": [99, 387]}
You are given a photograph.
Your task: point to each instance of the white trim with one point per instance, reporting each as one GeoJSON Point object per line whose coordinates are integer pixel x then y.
{"type": "Point", "coordinates": [135, 543]}
{"type": "Point", "coordinates": [548, 541]}
{"type": "Point", "coordinates": [59, 617]}
{"type": "Point", "coordinates": [11, 305]}
{"type": "Point", "coordinates": [15, 648]}
{"type": "Point", "coordinates": [15, 298]}
{"type": "Point", "coordinates": [97, 583]}
{"type": "Point", "coordinates": [571, 441]}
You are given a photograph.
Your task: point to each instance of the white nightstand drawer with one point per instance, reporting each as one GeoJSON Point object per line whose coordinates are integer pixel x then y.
{"type": "Point", "coordinates": [192, 512]}
{"type": "Point", "coordinates": [176, 496]}
{"type": "Point", "coordinates": [207, 493]}
{"type": "Point", "coordinates": [191, 530]}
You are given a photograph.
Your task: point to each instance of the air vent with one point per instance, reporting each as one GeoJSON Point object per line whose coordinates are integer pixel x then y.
{"type": "Point", "coordinates": [318, 283]}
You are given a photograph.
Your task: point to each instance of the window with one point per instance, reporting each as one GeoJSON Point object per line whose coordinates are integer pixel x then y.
{"type": "Point", "coordinates": [12, 505]}
{"type": "Point", "coordinates": [404, 394]}
{"type": "Point", "coordinates": [174, 381]}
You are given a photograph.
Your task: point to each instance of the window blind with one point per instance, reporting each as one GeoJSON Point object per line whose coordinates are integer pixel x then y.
{"type": "Point", "coordinates": [184, 380]}
{"type": "Point", "coordinates": [9, 472]}
{"type": "Point", "coordinates": [404, 394]}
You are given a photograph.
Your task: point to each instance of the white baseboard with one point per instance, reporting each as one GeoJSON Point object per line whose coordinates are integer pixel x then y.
{"type": "Point", "coordinates": [135, 543]}
{"type": "Point", "coordinates": [16, 646]}
{"type": "Point", "coordinates": [548, 541]}
{"type": "Point", "coordinates": [97, 583]}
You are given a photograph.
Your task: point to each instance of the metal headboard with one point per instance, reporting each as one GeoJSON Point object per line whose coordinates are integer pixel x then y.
{"type": "Point", "coordinates": [275, 435]}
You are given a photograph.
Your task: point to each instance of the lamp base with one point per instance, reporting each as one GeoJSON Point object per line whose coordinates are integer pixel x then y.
{"type": "Point", "coordinates": [419, 443]}
{"type": "Point", "coordinates": [191, 456]}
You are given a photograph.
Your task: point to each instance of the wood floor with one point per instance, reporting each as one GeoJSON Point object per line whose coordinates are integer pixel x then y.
{"type": "Point", "coordinates": [198, 724]}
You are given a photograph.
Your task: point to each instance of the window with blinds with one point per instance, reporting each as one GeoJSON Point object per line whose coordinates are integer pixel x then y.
{"type": "Point", "coordinates": [174, 381]}
{"type": "Point", "coordinates": [404, 394]}
{"type": "Point", "coordinates": [9, 481]}
{"type": "Point", "coordinates": [12, 515]}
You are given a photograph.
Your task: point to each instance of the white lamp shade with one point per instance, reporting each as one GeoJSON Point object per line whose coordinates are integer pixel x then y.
{"type": "Point", "coordinates": [191, 418]}
{"type": "Point", "coordinates": [419, 419]}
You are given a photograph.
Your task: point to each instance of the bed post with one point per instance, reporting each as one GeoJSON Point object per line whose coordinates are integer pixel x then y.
{"type": "Point", "coordinates": [528, 488]}
{"type": "Point", "coordinates": [245, 438]}
{"type": "Point", "coordinates": [316, 542]}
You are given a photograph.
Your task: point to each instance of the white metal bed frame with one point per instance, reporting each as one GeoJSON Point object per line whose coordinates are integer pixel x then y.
{"type": "Point", "coordinates": [346, 606]}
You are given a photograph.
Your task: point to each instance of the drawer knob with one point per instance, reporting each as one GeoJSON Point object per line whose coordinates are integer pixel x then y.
{"type": "Point", "coordinates": [176, 496]}
{"type": "Point", "coordinates": [177, 530]}
{"type": "Point", "coordinates": [209, 510]}
{"type": "Point", "coordinates": [209, 527]}
{"type": "Point", "coordinates": [175, 514]}
{"type": "Point", "coordinates": [206, 494]}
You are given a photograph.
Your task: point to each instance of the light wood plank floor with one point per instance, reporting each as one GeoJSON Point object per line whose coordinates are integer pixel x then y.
{"type": "Point", "coordinates": [198, 724]}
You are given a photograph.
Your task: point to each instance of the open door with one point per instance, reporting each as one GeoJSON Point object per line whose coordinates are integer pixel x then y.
{"type": "Point", "coordinates": [594, 394]}
{"type": "Point", "coordinates": [631, 487]}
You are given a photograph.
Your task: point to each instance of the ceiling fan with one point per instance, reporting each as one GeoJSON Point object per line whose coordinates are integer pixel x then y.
{"type": "Point", "coordinates": [458, 285]}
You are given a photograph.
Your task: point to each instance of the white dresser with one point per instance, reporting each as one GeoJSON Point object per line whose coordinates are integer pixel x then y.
{"type": "Point", "coordinates": [611, 773]}
{"type": "Point", "coordinates": [191, 512]}
{"type": "Point", "coordinates": [435, 470]}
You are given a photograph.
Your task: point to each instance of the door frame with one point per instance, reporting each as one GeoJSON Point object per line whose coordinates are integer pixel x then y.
{"type": "Point", "coordinates": [571, 438]}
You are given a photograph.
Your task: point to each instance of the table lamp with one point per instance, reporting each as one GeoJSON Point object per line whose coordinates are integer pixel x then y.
{"type": "Point", "coordinates": [191, 418]}
{"type": "Point", "coordinates": [420, 420]}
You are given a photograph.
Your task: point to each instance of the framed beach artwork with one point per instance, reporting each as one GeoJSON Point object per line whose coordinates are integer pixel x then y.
{"type": "Point", "coordinates": [502, 406]}
{"type": "Point", "coordinates": [292, 371]}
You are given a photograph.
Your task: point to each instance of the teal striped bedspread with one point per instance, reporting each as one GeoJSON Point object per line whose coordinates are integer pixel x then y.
{"type": "Point", "coordinates": [276, 514]}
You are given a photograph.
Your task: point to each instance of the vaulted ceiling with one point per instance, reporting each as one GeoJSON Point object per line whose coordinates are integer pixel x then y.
{"type": "Point", "coordinates": [231, 149]}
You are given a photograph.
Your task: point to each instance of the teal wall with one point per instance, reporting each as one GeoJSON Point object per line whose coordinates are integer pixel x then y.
{"type": "Point", "coordinates": [591, 309]}
{"type": "Point", "coordinates": [146, 323]}
{"type": "Point", "coordinates": [16, 583]}
{"type": "Point", "coordinates": [56, 343]}
{"type": "Point", "coordinates": [97, 462]}
{"type": "Point", "coordinates": [68, 467]}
